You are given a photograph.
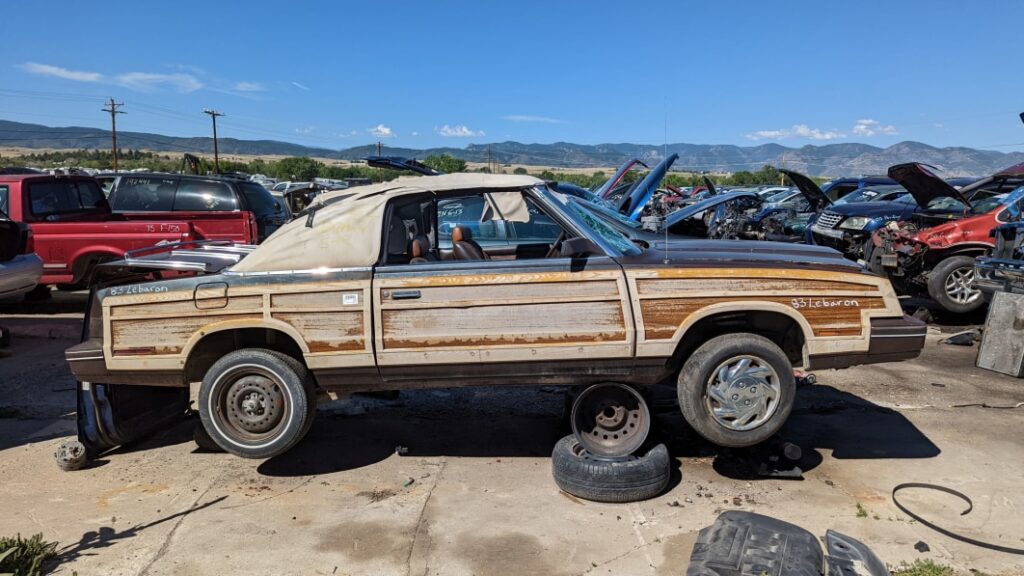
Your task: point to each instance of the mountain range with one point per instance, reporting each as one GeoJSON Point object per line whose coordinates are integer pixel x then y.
{"type": "Point", "coordinates": [826, 160]}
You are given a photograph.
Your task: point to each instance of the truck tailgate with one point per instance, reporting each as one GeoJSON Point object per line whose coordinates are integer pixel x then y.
{"type": "Point", "coordinates": [236, 226]}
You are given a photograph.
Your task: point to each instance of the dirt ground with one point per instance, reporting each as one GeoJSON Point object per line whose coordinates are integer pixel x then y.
{"type": "Point", "coordinates": [457, 482]}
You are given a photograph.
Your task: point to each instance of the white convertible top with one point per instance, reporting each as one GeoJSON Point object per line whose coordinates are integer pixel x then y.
{"type": "Point", "coordinates": [347, 233]}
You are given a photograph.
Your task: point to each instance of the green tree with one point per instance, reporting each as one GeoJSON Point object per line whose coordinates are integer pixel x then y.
{"type": "Point", "coordinates": [445, 163]}
{"type": "Point", "coordinates": [520, 170]}
{"type": "Point", "coordinates": [297, 168]}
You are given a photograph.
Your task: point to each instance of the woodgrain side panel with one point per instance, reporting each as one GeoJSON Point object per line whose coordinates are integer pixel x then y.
{"type": "Point", "coordinates": [525, 324]}
{"type": "Point", "coordinates": [827, 316]}
{"type": "Point", "coordinates": [328, 331]}
{"type": "Point", "coordinates": [159, 336]}
{"type": "Point", "coordinates": [659, 287]}
{"type": "Point", "coordinates": [308, 300]}
{"type": "Point", "coordinates": [184, 308]}
{"type": "Point", "coordinates": [450, 295]}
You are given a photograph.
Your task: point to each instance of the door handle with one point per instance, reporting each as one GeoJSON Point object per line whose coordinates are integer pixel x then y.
{"type": "Point", "coordinates": [405, 294]}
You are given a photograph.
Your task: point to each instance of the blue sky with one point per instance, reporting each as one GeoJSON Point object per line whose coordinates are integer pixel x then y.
{"type": "Point", "coordinates": [421, 74]}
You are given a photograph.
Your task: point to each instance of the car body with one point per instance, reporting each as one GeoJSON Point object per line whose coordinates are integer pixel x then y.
{"type": "Point", "coordinates": [362, 294]}
{"type": "Point", "coordinates": [74, 229]}
{"type": "Point", "coordinates": [138, 192]}
{"type": "Point", "coordinates": [20, 267]}
{"type": "Point", "coordinates": [719, 216]}
{"type": "Point", "coordinates": [1003, 269]}
{"type": "Point", "coordinates": [934, 252]}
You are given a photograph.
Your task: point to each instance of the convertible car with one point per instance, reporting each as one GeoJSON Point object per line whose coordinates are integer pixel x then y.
{"type": "Point", "coordinates": [392, 286]}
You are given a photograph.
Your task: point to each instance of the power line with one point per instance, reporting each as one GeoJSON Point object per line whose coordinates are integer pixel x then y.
{"type": "Point", "coordinates": [112, 108]}
{"type": "Point", "coordinates": [216, 156]}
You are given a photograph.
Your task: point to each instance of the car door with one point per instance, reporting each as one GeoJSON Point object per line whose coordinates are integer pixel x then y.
{"type": "Point", "coordinates": [501, 320]}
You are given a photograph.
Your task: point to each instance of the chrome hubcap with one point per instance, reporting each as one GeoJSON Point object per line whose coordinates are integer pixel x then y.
{"type": "Point", "coordinates": [743, 393]}
{"type": "Point", "coordinates": [960, 286]}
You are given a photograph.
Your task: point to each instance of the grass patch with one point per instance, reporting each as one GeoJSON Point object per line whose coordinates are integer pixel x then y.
{"type": "Point", "coordinates": [25, 557]}
{"type": "Point", "coordinates": [924, 568]}
{"type": "Point", "coordinates": [861, 511]}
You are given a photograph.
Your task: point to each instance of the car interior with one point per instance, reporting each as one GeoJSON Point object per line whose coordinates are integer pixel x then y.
{"type": "Point", "coordinates": [471, 226]}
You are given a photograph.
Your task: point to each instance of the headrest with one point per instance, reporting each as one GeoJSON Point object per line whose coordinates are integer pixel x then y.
{"type": "Point", "coordinates": [461, 233]}
{"type": "Point", "coordinates": [419, 246]}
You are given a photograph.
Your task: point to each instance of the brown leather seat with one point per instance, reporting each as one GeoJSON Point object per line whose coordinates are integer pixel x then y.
{"type": "Point", "coordinates": [419, 250]}
{"type": "Point", "coordinates": [464, 247]}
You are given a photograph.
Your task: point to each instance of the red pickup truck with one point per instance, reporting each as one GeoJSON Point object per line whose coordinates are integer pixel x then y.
{"type": "Point", "coordinates": [74, 228]}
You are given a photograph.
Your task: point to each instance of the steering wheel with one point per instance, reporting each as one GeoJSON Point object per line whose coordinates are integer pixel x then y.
{"type": "Point", "coordinates": [553, 251]}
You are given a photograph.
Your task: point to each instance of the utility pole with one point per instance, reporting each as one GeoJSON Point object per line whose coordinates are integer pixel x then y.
{"type": "Point", "coordinates": [216, 156]}
{"type": "Point", "coordinates": [378, 147]}
{"type": "Point", "coordinates": [112, 108]}
{"type": "Point", "coordinates": [489, 169]}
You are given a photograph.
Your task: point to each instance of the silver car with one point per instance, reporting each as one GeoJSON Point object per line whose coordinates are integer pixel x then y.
{"type": "Point", "coordinates": [19, 272]}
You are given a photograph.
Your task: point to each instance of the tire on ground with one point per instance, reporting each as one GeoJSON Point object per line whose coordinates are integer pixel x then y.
{"type": "Point", "coordinates": [937, 285]}
{"type": "Point", "coordinates": [694, 379]}
{"type": "Point", "coordinates": [630, 479]}
{"type": "Point", "coordinates": [289, 376]}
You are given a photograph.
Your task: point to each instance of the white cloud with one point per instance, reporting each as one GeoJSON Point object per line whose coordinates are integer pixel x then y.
{"type": "Point", "coordinates": [306, 130]}
{"type": "Point", "coordinates": [415, 133]}
{"type": "Point", "coordinates": [248, 87]}
{"type": "Point", "coordinates": [152, 82]}
{"type": "Point", "coordinates": [58, 72]}
{"type": "Point", "coordinates": [796, 131]}
{"type": "Point", "coordinates": [459, 131]}
{"type": "Point", "coordinates": [301, 86]}
{"type": "Point", "coordinates": [534, 119]}
{"type": "Point", "coordinates": [869, 127]}
{"type": "Point", "coordinates": [381, 131]}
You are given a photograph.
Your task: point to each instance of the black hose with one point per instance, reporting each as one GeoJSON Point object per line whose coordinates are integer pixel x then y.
{"type": "Point", "coordinates": [940, 530]}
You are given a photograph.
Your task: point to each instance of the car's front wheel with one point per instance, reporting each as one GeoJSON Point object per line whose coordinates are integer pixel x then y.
{"type": "Point", "coordinates": [736, 390]}
{"type": "Point", "coordinates": [951, 285]}
{"type": "Point", "coordinates": [254, 403]}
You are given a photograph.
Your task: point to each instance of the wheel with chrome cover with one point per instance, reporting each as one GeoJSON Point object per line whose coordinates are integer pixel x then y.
{"type": "Point", "coordinates": [254, 403]}
{"type": "Point", "coordinates": [736, 390]}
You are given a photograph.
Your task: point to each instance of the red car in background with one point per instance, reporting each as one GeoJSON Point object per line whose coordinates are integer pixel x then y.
{"type": "Point", "coordinates": [935, 251]}
{"type": "Point", "coordinates": [74, 228]}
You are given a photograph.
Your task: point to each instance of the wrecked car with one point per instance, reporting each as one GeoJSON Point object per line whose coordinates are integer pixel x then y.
{"type": "Point", "coordinates": [934, 252]}
{"type": "Point", "coordinates": [769, 222]}
{"type": "Point", "coordinates": [361, 294]}
{"type": "Point", "coordinates": [721, 216]}
{"type": "Point", "coordinates": [1003, 269]}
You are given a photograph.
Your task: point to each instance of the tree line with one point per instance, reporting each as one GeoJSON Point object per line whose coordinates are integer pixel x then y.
{"type": "Point", "coordinates": [305, 169]}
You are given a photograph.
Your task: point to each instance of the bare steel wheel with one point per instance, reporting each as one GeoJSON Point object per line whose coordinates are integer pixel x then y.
{"type": "Point", "coordinates": [743, 392]}
{"type": "Point", "coordinates": [610, 420]}
{"type": "Point", "coordinates": [256, 403]}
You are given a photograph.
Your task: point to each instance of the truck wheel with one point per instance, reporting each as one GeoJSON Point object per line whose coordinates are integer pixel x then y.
{"type": "Point", "coordinates": [736, 390]}
{"type": "Point", "coordinates": [627, 479]}
{"type": "Point", "coordinates": [951, 284]}
{"type": "Point", "coordinates": [255, 404]}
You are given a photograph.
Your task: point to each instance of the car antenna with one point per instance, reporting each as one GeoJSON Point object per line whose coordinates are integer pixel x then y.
{"type": "Point", "coordinates": [665, 226]}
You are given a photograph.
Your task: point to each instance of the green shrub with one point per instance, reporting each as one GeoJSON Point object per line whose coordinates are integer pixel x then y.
{"type": "Point", "coordinates": [923, 568]}
{"type": "Point", "coordinates": [25, 557]}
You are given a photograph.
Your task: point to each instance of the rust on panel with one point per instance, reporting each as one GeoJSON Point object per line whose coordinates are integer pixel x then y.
{"type": "Point", "coordinates": [328, 331]}
{"type": "Point", "coordinates": [162, 336]}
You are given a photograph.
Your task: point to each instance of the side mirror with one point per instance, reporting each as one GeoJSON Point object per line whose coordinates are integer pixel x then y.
{"type": "Point", "coordinates": [579, 246]}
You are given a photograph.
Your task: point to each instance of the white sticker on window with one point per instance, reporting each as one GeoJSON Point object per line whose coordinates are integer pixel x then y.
{"type": "Point", "coordinates": [347, 299]}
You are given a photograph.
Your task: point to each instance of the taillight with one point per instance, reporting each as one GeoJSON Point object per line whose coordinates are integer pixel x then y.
{"type": "Point", "coordinates": [28, 245]}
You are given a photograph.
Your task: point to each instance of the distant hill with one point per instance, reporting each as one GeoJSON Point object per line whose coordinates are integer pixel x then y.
{"type": "Point", "coordinates": [826, 160]}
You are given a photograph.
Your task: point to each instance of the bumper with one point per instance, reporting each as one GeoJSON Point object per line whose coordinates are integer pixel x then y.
{"type": "Point", "coordinates": [19, 275]}
{"type": "Point", "coordinates": [998, 275]}
{"type": "Point", "coordinates": [847, 242]}
{"type": "Point", "coordinates": [892, 340]}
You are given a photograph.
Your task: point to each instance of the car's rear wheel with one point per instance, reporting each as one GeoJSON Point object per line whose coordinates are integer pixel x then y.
{"type": "Point", "coordinates": [256, 404]}
{"type": "Point", "coordinates": [736, 390]}
{"type": "Point", "coordinates": [951, 285]}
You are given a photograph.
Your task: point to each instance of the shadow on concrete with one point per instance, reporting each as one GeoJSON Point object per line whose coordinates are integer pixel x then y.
{"type": "Point", "coordinates": [105, 536]}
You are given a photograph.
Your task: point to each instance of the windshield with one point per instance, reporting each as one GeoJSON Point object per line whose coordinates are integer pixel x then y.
{"type": "Point", "coordinates": [600, 228]}
{"type": "Point", "coordinates": [617, 216]}
{"type": "Point", "coordinates": [781, 196]}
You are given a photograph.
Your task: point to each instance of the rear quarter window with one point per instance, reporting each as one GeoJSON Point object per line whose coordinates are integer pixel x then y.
{"type": "Point", "coordinates": [204, 196]}
{"type": "Point", "coordinates": [143, 194]}
{"type": "Point", "coordinates": [259, 199]}
{"type": "Point", "coordinates": [5, 195]}
{"type": "Point", "coordinates": [60, 197]}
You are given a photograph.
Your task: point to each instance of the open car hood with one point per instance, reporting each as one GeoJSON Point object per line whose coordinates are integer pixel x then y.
{"type": "Point", "coordinates": [399, 163]}
{"type": "Point", "coordinates": [633, 203]}
{"type": "Point", "coordinates": [817, 199]}
{"type": "Point", "coordinates": [698, 207]}
{"type": "Point", "coordinates": [924, 185]}
{"type": "Point", "coordinates": [604, 189]}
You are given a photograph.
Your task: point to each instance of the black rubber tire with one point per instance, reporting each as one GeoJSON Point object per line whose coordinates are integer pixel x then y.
{"type": "Point", "coordinates": [309, 383]}
{"type": "Point", "coordinates": [693, 379]}
{"type": "Point", "coordinates": [629, 479]}
{"type": "Point", "coordinates": [39, 293]}
{"type": "Point", "coordinates": [202, 439]}
{"type": "Point", "coordinates": [297, 394]}
{"type": "Point", "coordinates": [937, 285]}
